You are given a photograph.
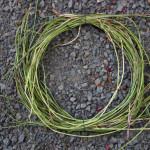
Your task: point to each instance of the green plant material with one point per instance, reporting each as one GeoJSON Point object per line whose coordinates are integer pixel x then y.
{"type": "Point", "coordinates": [31, 46]}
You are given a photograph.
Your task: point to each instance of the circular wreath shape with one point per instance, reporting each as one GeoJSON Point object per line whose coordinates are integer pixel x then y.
{"type": "Point", "coordinates": [31, 45]}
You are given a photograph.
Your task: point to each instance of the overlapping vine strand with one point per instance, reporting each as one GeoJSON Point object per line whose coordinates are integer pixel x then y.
{"type": "Point", "coordinates": [31, 46]}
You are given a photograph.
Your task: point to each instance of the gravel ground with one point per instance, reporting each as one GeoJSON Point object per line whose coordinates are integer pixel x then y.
{"type": "Point", "coordinates": [72, 72]}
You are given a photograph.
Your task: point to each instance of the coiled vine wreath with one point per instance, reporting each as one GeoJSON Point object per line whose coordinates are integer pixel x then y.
{"type": "Point", "coordinates": [37, 97]}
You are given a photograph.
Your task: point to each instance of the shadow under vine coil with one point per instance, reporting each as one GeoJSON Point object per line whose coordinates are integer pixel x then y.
{"type": "Point", "coordinates": [31, 45]}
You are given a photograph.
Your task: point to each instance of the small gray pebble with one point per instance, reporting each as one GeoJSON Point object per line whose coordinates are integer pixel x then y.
{"type": "Point", "coordinates": [7, 8]}
{"type": "Point", "coordinates": [19, 5]}
{"type": "Point", "coordinates": [107, 46]}
{"type": "Point", "coordinates": [104, 78]}
{"type": "Point", "coordinates": [73, 72]}
{"type": "Point", "coordinates": [52, 77]}
{"type": "Point", "coordinates": [72, 139]}
{"type": "Point", "coordinates": [70, 4]}
{"type": "Point", "coordinates": [99, 1]}
{"type": "Point", "coordinates": [89, 96]}
{"type": "Point", "coordinates": [141, 3]}
{"type": "Point", "coordinates": [78, 106]}
{"type": "Point", "coordinates": [121, 140]}
{"type": "Point", "coordinates": [1, 2]}
{"type": "Point", "coordinates": [119, 8]}
{"type": "Point", "coordinates": [60, 6]}
{"type": "Point", "coordinates": [6, 141]}
{"type": "Point", "coordinates": [42, 3]}
{"type": "Point", "coordinates": [134, 6]}
{"type": "Point", "coordinates": [61, 87]}
{"type": "Point", "coordinates": [97, 81]}
{"type": "Point", "coordinates": [12, 50]}
{"type": "Point", "coordinates": [72, 99]}
{"type": "Point", "coordinates": [84, 85]}
{"type": "Point", "coordinates": [142, 22]}
{"type": "Point", "coordinates": [120, 96]}
{"type": "Point", "coordinates": [73, 54]}
{"type": "Point", "coordinates": [85, 67]}
{"type": "Point", "coordinates": [105, 55]}
{"type": "Point", "coordinates": [18, 116]}
{"type": "Point", "coordinates": [93, 110]}
{"type": "Point", "coordinates": [119, 145]}
{"type": "Point", "coordinates": [15, 147]}
{"type": "Point", "coordinates": [105, 138]}
{"type": "Point", "coordinates": [42, 15]}
{"type": "Point", "coordinates": [87, 35]}
{"type": "Point", "coordinates": [82, 148]}
{"type": "Point", "coordinates": [88, 71]}
{"type": "Point", "coordinates": [106, 62]}
{"type": "Point", "coordinates": [21, 138]}
{"type": "Point", "coordinates": [103, 96]}
{"type": "Point", "coordinates": [148, 136]}
{"type": "Point", "coordinates": [123, 3]}
{"type": "Point", "coordinates": [83, 105]}
{"type": "Point", "coordinates": [66, 55]}
{"type": "Point", "coordinates": [108, 95]}
{"type": "Point", "coordinates": [76, 47]}
{"type": "Point", "coordinates": [111, 145]}
{"type": "Point", "coordinates": [127, 82]}
{"type": "Point", "coordinates": [88, 108]}
{"type": "Point", "coordinates": [101, 73]}
{"type": "Point", "coordinates": [2, 86]}
{"type": "Point", "coordinates": [113, 140]}
{"type": "Point", "coordinates": [96, 36]}
{"type": "Point", "coordinates": [17, 106]}
{"type": "Point", "coordinates": [14, 140]}
{"type": "Point", "coordinates": [99, 89]}
{"type": "Point", "coordinates": [101, 39]}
